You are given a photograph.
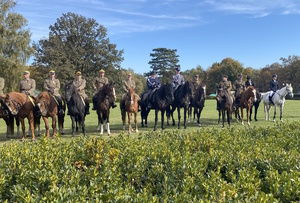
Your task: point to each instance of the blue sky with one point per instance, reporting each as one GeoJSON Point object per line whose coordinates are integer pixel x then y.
{"type": "Point", "coordinates": [254, 32]}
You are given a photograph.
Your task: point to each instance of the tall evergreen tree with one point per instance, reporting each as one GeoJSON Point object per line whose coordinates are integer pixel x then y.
{"type": "Point", "coordinates": [163, 62]}
{"type": "Point", "coordinates": [78, 44]}
{"type": "Point", "coordinates": [15, 49]}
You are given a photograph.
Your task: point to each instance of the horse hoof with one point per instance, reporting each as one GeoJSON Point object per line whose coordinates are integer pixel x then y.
{"type": "Point", "coordinates": [242, 123]}
{"type": "Point", "coordinates": [248, 124]}
{"type": "Point", "coordinates": [63, 133]}
{"type": "Point", "coordinates": [40, 134]}
{"type": "Point", "coordinates": [256, 120]}
{"type": "Point", "coordinates": [136, 131]}
{"type": "Point", "coordinates": [199, 124]}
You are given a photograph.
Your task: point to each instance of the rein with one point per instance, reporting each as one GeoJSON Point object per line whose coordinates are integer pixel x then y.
{"type": "Point", "coordinates": [17, 106]}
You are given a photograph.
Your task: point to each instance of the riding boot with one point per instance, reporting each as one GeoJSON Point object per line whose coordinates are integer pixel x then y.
{"type": "Point", "coordinates": [87, 106]}
{"type": "Point", "coordinates": [60, 109]}
{"type": "Point", "coordinates": [149, 99]}
{"type": "Point", "coordinates": [94, 103]}
{"type": "Point", "coordinates": [270, 99]}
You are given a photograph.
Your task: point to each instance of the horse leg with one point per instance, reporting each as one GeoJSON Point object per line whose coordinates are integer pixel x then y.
{"type": "Point", "coordinates": [266, 111]}
{"type": "Point", "coordinates": [195, 112]}
{"type": "Point", "coordinates": [23, 128]}
{"type": "Point", "coordinates": [146, 118]}
{"type": "Point", "coordinates": [275, 107]}
{"type": "Point", "coordinates": [250, 113]}
{"type": "Point", "coordinates": [54, 126]}
{"type": "Point", "coordinates": [228, 117]}
{"type": "Point", "coordinates": [100, 119]}
{"type": "Point", "coordinates": [189, 113]}
{"type": "Point", "coordinates": [135, 120]}
{"type": "Point", "coordinates": [123, 113]}
{"type": "Point", "coordinates": [219, 117]}
{"type": "Point", "coordinates": [171, 113]}
{"type": "Point", "coordinates": [178, 111]}
{"type": "Point", "coordinates": [31, 121]}
{"type": "Point", "coordinates": [198, 116]}
{"type": "Point", "coordinates": [255, 112]}
{"type": "Point", "coordinates": [242, 115]}
{"type": "Point", "coordinates": [155, 124]}
{"type": "Point", "coordinates": [73, 125]}
{"type": "Point", "coordinates": [162, 118]}
{"type": "Point", "coordinates": [47, 126]}
{"type": "Point", "coordinates": [223, 117]}
{"type": "Point", "coordinates": [129, 122]}
{"type": "Point", "coordinates": [18, 126]}
{"type": "Point", "coordinates": [83, 124]}
{"type": "Point", "coordinates": [107, 123]}
{"type": "Point", "coordinates": [281, 109]}
{"type": "Point", "coordinates": [248, 110]}
{"type": "Point", "coordinates": [184, 117]}
{"type": "Point", "coordinates": [61, 124]}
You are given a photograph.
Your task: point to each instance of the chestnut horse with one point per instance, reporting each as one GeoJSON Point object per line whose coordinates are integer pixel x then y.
{"type": "Point", "coordinates": [49, 108]}
{"type": "Point", "coordinates": [246, 102]}
{"type": "Point", "coordinates": [22, 106]}
{"type": "Point", "coordinates": [131, 106]}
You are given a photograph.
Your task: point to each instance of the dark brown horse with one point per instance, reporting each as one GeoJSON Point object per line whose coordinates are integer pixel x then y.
{"type": "Point", "coordinates": [131, 106]}
{"type": "Point", "coordinates": [224, 103]}
{"type": "Point", "coordinates": [49, 108]}
{"type": "Point", "coordinates": [104, 98]}
{"type": "Point", "coordinates": [198, 102]}
{"type": "Point", "coordinates": [246, 102]}
{"type": "Point", "coordinates": [22, 106]}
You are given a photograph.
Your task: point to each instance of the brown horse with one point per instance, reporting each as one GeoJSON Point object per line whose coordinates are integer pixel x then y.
{"type": "Point", "coordinates": [131, 106]}
{"type": "Point", "coordinates": [49, 108]}
{"type": "Point", "coordinates": [224, 103]}
{"type": "Point", "coordinates": [246, 101]}
{"type": "Point", "coordinates": [22, 106]}
{"type": "Point", "coordinates": [7, 117]}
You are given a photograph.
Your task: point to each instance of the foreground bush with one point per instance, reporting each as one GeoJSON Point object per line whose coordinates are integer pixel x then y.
{"type": "Point", "coordinates": [251, 165]}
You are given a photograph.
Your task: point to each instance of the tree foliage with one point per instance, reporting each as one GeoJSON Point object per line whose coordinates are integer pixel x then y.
{"type": "Point", "coordinates": [163, 62]}
{"type": "Point", "coordinates": [15, 49]}
{"type": "Point", "coordinates": [76, 43]}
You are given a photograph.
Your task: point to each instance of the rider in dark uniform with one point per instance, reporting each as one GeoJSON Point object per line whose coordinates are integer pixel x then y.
{"type": "Point", "coordinates": [249, 82]}
{"type": "Point", "coordinates": [274, 86]}
{"type": "Point", "coordinates": [153, 84]}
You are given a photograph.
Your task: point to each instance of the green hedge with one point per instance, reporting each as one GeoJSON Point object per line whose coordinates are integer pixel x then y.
{"type": "Point", "coordinates": [251, 165]}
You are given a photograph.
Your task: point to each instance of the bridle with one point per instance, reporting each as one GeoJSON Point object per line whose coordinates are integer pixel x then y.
{"type": "Point", "coordinates": [16, 105]}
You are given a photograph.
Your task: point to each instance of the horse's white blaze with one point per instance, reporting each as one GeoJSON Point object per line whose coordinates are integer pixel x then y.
{"type": "Point", "coordinates": [254, 93]}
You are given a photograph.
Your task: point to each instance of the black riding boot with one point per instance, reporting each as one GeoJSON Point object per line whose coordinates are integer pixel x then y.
{"type": "Point", "coordinates": [270, 99]}
{"type": "Point", "coordinates": [87, 107]}
{"type": "Point", "coordinates": [94, 103]}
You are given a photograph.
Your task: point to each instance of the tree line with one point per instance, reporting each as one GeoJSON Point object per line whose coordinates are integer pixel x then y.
{"type": "Point", "coordinates": [76, 43]}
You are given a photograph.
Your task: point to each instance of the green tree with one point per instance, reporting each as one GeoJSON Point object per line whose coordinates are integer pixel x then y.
{"type": "Point", "coordinates": [291, 71]}
{"type": "Point", "coordinates": [76, 43]}
{"type": "Point", "coordinates": [163, 62]}
{"type": "Point", "coordinates": [15, 49]}
{"type": "Point", "coordinates": [190, 74]}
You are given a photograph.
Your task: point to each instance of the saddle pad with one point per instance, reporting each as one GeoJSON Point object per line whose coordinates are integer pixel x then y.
{"type": "Point", "coordinates": [55, 99]}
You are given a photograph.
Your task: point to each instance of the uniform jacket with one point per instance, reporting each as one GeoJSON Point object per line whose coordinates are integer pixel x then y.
{"type": "Point", "coordinates": [80, 84]}
{"type": "Point", "coordinates": [54, 85]}
{"type": "Point", "coordinates": [238, 86]}
{"type": "Point", "coordinates": [128, 84]}
{"type": "Point", "coordinates": [1, 85]}
{"type": "Point", "coordinates": [177, 80]}
{"type": "Point", "coordinates": [227, 85]}
{"type": "Point", "coordinates": [99, 82]}
{"type": "Point", "coordinates": [152, 83]}
{"type": "Point", "coordinates": [251, 83]}
{"type": "Point", "coordinates": [196, 85]}
{"type": "Point", "coordinates": [27, 86]}
{"type": "Point", "coordinates": [274, 86]}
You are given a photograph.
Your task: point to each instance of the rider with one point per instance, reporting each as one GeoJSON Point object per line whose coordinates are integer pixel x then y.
{"type": "Point", "coordinates": [1, 85]}
{"type": "Point", "coordinates": [274, 86]}
{"type": "Point", "coordinates": [97, 85]}
{"type": "Point", "coordinates": [126, 84]}
{"type": "Point", "coordinates": [52, 85]}
{"type": "Point", "coordinates": [177, 79]}
{"type": "Point", "coordinates": [153, 84]}
{"type": "Point", "coordinates": [80, 84]}
{"type": "Point", "coordinates": [249, 82]}
{"type": "Point", "coordinates": [226, 84]}
{"type": "Point", "coordinates": [196, 83]}
{"type": "Point", "coordinates": [238, 87]}
{"type": "Point", "coordinates": [27, 85]}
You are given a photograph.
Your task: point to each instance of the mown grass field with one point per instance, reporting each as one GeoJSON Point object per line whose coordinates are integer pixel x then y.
{"type": "Point", "coordinates": [209, 119]}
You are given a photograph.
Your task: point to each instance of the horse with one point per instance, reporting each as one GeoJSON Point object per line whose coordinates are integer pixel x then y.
{"type": "Point", "coordinates": [181, 99]}
{"type": "Point", "coordinates": [197, 101]}
{"type": "Point", "coordinates": [131, 106]}
{"type": "Point", "coordinates": [246, 102]}
{"type": "Point", "coordinates": [76, 107]}
{"type": "Point", "coordinates": [49, 108]}
{"type": "Point", "coordinates": [224, 102]}
{"type": "Point", "coordinates": [104, 98]}
{"type": "Point", "coordinates": [256, 105]}
{"type": "Point", "coordinates": [161, 99]}
{"type": "Point", "coordinates": [278, 99]}
{"type": "Point", "coordinates": [144, 109]}
{"type": "Point", "coordinates": [22, 106]}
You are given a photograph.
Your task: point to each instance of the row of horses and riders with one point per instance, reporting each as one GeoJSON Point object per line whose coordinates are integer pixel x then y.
{"type": "Point", "coordinates": [166, 98]}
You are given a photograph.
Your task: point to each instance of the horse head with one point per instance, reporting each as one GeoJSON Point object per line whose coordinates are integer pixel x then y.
{"type": "Point", "coordinates": [131, 95]}
{"type": "Point", "coordinates": [251, 92]}
{"type": "Point", "coordinates": [109, 89]}
{"type": "Point", "coordinates": [188, 88]}
{"type": "Point", "coordinates": [70, 89]}
{"type": "Point", "coordinates": [289, 90]}
{"type": "Point", "coordinates": [12, 105]}
{"type": "Point", "coordinates": [220, 93]}
{"type": "Point", "coordinates": [43, 101]}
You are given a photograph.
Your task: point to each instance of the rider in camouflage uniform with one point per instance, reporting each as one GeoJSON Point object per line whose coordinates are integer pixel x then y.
{"type": "Point", "coordinates": [196, 83]}
{"type": "Point", "coordinates": [52, 85]}
{"type": "Point", "coordinates": [227, 86]}
{"type": "Point", "coordinates": [239, 88]}
{"type": "Point", "coordinates": [97, 85]}
{"type": "Point", "coordinates": [80, 85]}
{"type": "Point", "coordinates": [27, 85]}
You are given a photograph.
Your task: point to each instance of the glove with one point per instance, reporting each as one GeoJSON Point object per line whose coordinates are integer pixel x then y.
{"type": "Point", "coordinates": [27, 93]}
{"type": "Point", "coordinates": [51, 91]}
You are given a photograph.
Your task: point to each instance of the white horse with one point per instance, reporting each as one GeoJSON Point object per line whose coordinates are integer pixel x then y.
{"type": "Point", "coordinates": [278, 99]}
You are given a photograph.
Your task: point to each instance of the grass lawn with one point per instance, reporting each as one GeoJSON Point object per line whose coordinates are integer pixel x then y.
{"type": "Point", "coordinates": [209, 119]}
